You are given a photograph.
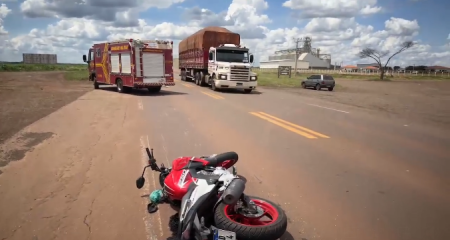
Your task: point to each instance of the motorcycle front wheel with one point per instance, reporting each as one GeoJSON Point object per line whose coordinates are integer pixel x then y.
{"type": "Point", "coordinates": [270, 224]}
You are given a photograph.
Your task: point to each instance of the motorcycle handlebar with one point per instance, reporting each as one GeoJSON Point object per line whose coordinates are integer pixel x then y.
{"type": "Point", "coordinates": [149, 154]}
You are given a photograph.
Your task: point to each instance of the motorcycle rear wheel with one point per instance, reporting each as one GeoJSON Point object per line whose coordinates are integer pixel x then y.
{"type": "Point", "coordinates": [248, 228]}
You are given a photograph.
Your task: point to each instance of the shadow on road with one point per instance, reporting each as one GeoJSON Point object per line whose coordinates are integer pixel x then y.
{"type": "Point", "coordinates": [145, 92]}
{"type": "Point", "coordinates": [288, 236]}
{"type": "Point", "coordinates": [236, 91]}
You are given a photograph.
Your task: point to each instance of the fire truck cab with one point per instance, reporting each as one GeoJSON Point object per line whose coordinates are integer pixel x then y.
{"type": "Point", "coordinates": [131, 64]}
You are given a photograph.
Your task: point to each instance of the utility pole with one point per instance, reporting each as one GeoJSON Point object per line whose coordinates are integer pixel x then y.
{"type": "Point", "coordinates": [297, 51]}
{"type": "Point", "coordinates": [297, 54]}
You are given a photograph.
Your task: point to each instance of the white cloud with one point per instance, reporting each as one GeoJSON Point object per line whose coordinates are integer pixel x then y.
{"type": "Point", "coordinates": [341, 36]}
{"type": "Point", "coordinates": [402, 27]}
{"type": "Point", "coordinates": [4, 11]}
{"type": "Point", "coordinates": [336, 8]}
{"type": "Point", "coordinates": [123, 13]}
{"type": "Point", "coordinates": [368, 10]}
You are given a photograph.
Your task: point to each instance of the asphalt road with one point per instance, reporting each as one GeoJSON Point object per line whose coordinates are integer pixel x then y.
{"type": "Point", "coordinates": [339, 172]}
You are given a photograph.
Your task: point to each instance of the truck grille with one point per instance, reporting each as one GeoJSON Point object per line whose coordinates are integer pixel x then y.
{"type": "Point", "coordinates": [239, 73]}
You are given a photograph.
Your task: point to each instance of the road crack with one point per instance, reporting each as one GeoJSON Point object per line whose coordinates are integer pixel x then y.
{"type": "Point", "coordinates": [86, 219]}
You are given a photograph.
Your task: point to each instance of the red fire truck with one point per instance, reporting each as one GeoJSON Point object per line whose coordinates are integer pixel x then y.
{"type": "Point", "coordinates": [131, 64]}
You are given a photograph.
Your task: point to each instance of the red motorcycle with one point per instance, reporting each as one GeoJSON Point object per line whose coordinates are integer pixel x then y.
{"type": "Point", "coordinates": [175, 180]}
{"type": "Point", "coordinates": [211, 198]}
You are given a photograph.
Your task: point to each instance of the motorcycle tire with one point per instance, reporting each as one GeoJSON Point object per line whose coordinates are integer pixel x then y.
{"type": "Point", "coordinates": [273, 230]}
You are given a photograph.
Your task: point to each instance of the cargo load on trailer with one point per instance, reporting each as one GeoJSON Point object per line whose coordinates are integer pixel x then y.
{"type": "Point", "coordinates": [213, 56]}
{"type": "Point", "coordinates": [131, 64]}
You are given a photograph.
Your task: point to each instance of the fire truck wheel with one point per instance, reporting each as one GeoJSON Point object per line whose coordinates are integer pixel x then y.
{"type": "Point", "coordinates": [154, 89]}
{"type": "Point", "coordinates": [119, 86]}
{"type": "Point", "coordinates": [96, 86]}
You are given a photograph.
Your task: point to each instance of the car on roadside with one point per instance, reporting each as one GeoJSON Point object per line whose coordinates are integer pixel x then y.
{"type": "Point", "coordinates": [319, 81]}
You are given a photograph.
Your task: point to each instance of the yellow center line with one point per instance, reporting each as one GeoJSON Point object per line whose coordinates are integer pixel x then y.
{"type": "Point", "coordinates": [213, 95]}
{"type": "Point", "coordinates": [295, 125]}
{"type": "Point", "coordinates": [186, 85]}
{"type": "Point", "coordinates": [306, 135]}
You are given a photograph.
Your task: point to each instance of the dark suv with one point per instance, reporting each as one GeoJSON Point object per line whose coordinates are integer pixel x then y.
{"type": "Point", "coordinates": [319, 81]}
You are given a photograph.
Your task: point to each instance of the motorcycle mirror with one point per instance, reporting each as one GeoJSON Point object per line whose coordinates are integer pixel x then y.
{"type": "Point", "coordinates": [140, 182]}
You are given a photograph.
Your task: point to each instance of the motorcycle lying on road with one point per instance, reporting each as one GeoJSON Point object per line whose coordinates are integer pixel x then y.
{"type": "Point", "coordinates": [212, 201]}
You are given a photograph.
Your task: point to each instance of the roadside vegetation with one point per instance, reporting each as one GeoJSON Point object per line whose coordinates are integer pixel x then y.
{"type": "Point", "coordinates": [270, 78]}
{"type": "Point", "coordinates": [72, 72]}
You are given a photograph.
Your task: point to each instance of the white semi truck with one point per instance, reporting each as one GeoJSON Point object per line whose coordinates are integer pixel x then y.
{"type": "Point", "coordinates": [213, 56]}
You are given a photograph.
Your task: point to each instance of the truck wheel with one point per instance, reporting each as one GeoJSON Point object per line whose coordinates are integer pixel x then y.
{"type": "Point", "coordinates": [96, 86]}
{"type": "Point", "coordinates": [197, 79]}
{"type": "Point", "coordinates": [202, 79]}
{"type": "Point", "coordinates": [183, 76]}
{"type": "Point", "coordinates": [213, 83]}
{"type": "Point", "coordinates": [119, 85]}
{"type": "Point", "coordinates": [248, 90]}
{"type": "Point", "coordinates": [154, 89]}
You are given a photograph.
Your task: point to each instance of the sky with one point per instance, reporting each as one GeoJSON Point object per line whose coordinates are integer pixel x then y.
{"type": "Point", "coordinates": [341, 28]}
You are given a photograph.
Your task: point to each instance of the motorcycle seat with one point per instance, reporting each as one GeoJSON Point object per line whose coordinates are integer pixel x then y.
{"type": "Point", "coordinates": [215, 160]}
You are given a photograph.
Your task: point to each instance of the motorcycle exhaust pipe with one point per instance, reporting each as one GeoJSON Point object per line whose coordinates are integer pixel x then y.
{"type": "Point", "coordinates": [233, 192]}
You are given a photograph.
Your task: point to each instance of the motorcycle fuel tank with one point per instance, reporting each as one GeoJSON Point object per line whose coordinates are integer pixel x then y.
{"type": "Point", "coordinates": [177, 182]}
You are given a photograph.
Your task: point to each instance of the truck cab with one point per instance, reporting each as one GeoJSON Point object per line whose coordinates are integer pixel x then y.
{"type": "Point", "coordinates": [90, 60]}
{"type": "Point", "coordinates": [229, 67]}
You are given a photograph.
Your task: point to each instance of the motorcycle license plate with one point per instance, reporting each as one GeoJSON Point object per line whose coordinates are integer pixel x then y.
{"type": "Point", "coordinates": [220, 234]}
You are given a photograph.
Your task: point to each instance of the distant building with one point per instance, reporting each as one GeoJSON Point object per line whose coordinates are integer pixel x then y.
{"type": "Point", "coordinates": [276, 63]}
{"type": "Point", "coordinates": [37, 58]}
{"type": "Point", "coordinates": [305, 61]}
{"type": "Point", "coordinates": [438, 69]}
{"type": "Point", "coordinates": [349, 68]}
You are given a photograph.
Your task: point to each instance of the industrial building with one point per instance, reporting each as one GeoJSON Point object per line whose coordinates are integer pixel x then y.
{"type": "Point", "coordinates": [308, 57]}
{"type": "Point", "coordinates": [37, 58]}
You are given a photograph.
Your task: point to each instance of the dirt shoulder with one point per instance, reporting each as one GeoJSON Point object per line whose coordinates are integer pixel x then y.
{"type": "Point", "coordinates": [71, 174]}
{"type": "Point", "coordinates": [425, 101]}
{"type": "Point", "coordinates": [26, 97]}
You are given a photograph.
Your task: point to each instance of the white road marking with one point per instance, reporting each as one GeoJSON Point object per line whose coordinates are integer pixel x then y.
{"type": "Point", "coordinates": [337, 110]}
{"type": "Point", "coordinates": [151, 235]}
{"type": "Point", "coordinates": [155, 187]}
{"type": "Point", "coordinates": [165, 150]}
{"type": "Point", "coordinates": [140, 105]}
{"type": "Point", "coordinates": [146, 190]}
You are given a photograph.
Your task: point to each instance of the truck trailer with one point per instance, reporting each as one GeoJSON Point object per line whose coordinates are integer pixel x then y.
{"type": "Point", "coordinates": [131, 64]}
{"type": "Point", "coordinates": [213, 56]}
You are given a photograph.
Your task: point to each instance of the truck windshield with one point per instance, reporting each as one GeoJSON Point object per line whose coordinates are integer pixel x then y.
{"type": "Point", "coordinates": [231, 56]}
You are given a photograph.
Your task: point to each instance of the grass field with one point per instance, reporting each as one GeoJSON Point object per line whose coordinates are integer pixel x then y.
{"type": "Point", "coordinates": [270, 79]}
{"type": "Point", "coordinates": [73, 72]}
